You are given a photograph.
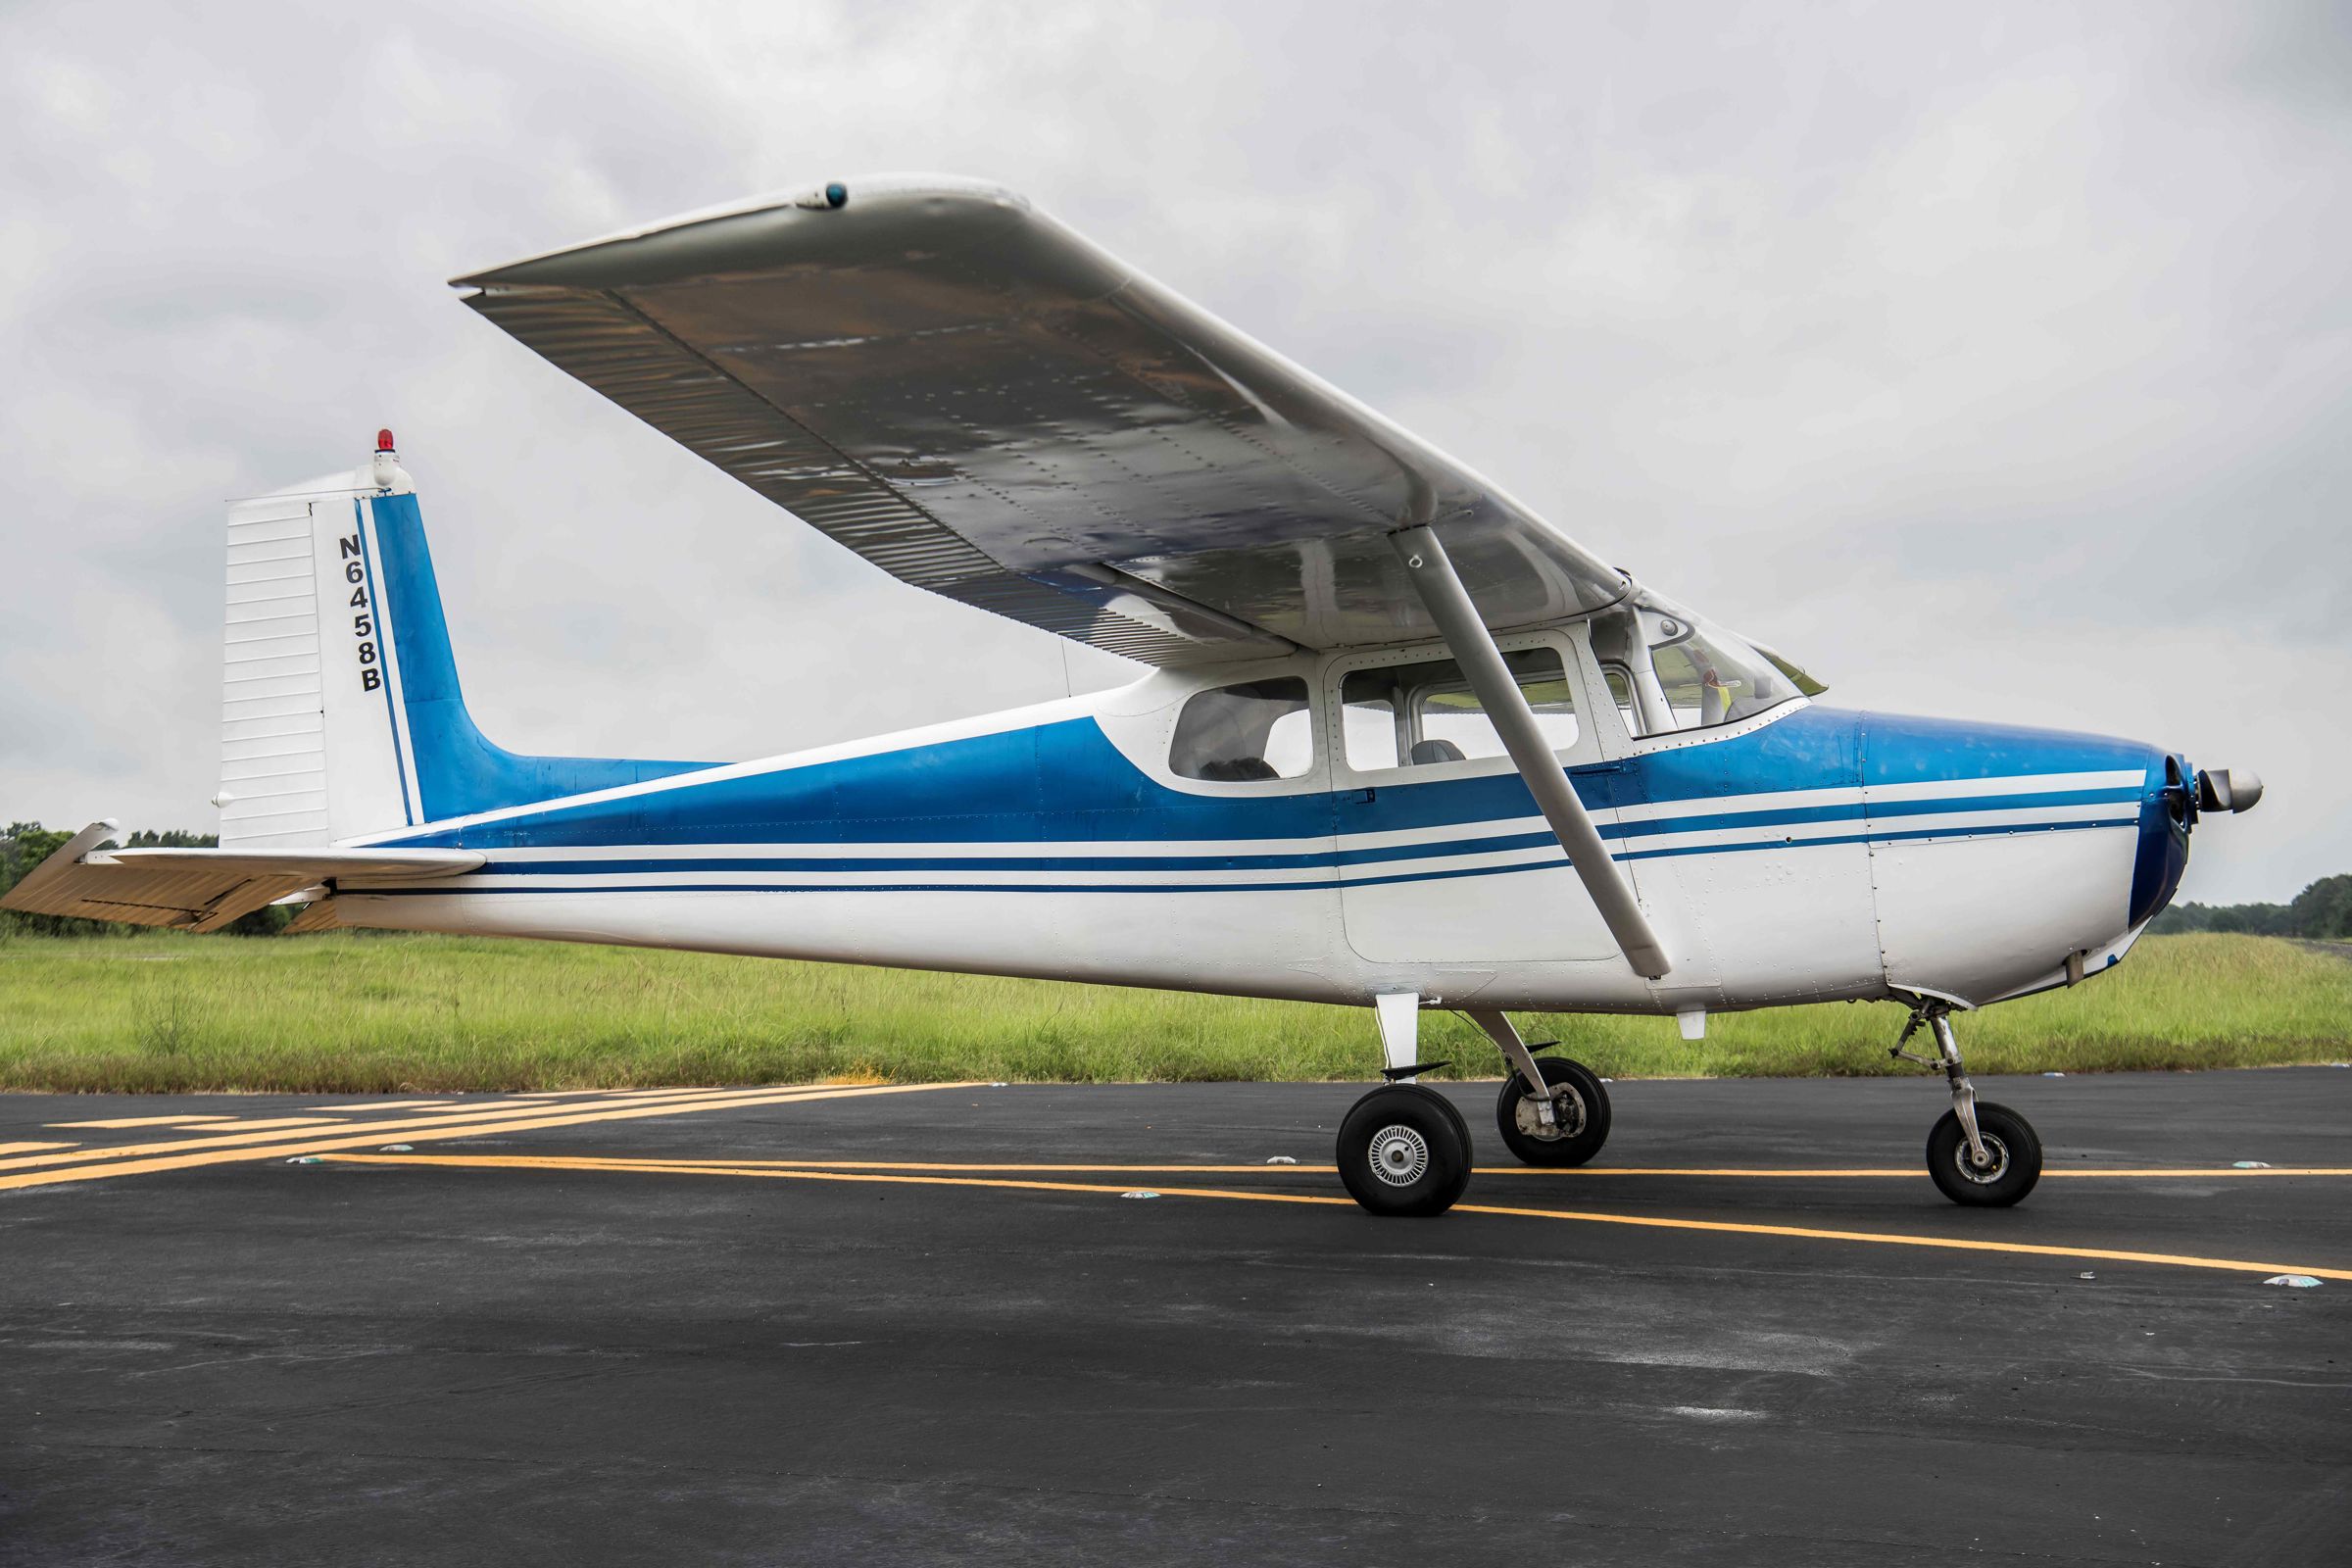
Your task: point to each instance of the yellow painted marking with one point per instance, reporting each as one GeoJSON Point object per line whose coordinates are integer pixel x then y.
{"type": "Point", "coordinates": [1895, 1172]}
{"type": "Point", "coordinates": [385, 1104]}
{"type": "Point", "coordinates": [144, 1121]}
{"type": "Point", "coordinates": [2105, 1255]}
{"type": "Point", "coordinates": [2146, 1172]}
{"type": "Point", "coordinates": [24, 1148]}
{"type": "Point", "coordinates": [430, 1132]}
{"type": "Point", "coordinates": [589, 1096]}
{"type": "Point", "coordinates": [261, 1124]}
{"type": "Point", "coordinates": [487, 1113]}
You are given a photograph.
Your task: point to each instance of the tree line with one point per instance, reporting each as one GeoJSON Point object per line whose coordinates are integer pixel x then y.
{"type": "Point", "coordinates": [2321, 912]}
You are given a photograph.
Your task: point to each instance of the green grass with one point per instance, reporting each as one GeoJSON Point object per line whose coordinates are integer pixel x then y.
{"type": "Point", "coordinates": [163, 1013]}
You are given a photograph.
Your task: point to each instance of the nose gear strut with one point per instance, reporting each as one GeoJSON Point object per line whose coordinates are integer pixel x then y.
{"type": "Point", "coordinates": [1937, 1016]}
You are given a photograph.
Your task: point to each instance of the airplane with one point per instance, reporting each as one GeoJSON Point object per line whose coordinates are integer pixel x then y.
{"type": "Point", "coordinates": [1404, 745]}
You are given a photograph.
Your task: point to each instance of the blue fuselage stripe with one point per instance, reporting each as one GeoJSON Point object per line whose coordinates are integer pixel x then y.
{"type": "Point", "coordinates": [1630, 833]}
{"type": "Point", "coordinates": [1309, 885]}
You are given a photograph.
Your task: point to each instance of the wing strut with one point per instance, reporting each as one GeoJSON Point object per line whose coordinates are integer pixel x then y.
{"type": "Point", "coordinates": [1466, 634]}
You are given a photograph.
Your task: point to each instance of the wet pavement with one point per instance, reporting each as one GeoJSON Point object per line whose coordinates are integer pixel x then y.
{"type": "Point", "coordinates": [928, 1326]}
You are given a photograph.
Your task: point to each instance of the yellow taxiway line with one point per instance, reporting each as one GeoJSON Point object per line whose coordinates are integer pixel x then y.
{"type": "Point", "coordinates": [116, 1123]}
{"type": "Point", "coordinates": [2102, 1254]}
{"type": "Point", "coordinates": [229, 1135]}
{"type": "Point", "coordinates": [138, 1159]}
{"type": "Point", "coordinates": [1882, 1172]}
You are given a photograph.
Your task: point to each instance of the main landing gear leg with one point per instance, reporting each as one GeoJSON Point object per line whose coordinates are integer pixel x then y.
{"type": "Point", "coordinates": [1404, 1149]}
{"type": "Point", "coordinates": [1978, 1153]}
{"type": "Point", "coordinates": [1567, 1123]}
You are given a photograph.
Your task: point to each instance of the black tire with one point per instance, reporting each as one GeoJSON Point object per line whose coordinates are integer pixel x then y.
{"type": "Point", "coordinates": [1403, 1151]}
{"type": "Point", "coordinates": [1461, 1123]}
{"type": "Point", "coordinates": [1578, 1092]}
{"type": "Point", "coordinates": [2011, 1141]}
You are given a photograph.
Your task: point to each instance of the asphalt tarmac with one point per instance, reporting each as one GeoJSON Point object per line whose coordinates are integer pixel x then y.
{"type": "Point", "coordinates": [737, 1327]}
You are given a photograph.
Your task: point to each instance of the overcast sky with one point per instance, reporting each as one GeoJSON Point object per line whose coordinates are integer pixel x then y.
{"type": "Point", "coordinates": [1993, 360]}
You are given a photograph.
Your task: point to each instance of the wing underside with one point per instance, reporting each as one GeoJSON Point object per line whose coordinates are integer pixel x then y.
{"type": "Point", "coordinates": [980, 401]}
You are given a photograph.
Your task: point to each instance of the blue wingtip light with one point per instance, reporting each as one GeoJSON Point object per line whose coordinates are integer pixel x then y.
{"type": "Point", "coordinates": [837, 194]}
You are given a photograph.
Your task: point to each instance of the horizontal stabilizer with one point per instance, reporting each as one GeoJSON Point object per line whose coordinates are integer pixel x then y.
{"type": "Point", "coordinates": [202, 889]}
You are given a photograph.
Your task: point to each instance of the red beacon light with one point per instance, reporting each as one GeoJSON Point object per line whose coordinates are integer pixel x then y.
{"type": "Point", "coordinates": [383, 469]}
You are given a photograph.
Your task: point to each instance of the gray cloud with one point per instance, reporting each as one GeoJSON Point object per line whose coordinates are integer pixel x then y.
{"type": "Point", "coordinates": [1994, 359]}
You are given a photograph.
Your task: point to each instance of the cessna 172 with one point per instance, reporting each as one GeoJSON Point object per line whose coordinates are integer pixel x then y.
{"type": "Point", "coordinates": [1405, 745]}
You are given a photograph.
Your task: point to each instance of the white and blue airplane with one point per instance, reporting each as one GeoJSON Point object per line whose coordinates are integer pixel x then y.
{"type": "Point", "coordinates": [1404, 745]}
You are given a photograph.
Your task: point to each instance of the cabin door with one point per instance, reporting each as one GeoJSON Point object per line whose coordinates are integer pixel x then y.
{"type": "Point", "coordinates": [1443, 856]}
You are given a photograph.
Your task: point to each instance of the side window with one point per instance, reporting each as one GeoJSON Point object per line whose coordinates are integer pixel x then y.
{"type": "Point", "coordinates": [1233, 734]}
{"type": "Point", "coordinates": [1420, 714]}
{"type": "Point", "coordinates": [1621, 692]}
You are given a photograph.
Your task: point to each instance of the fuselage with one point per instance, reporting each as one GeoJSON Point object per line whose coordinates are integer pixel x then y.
{"type": "Point", "coordinates": [1804, 853]}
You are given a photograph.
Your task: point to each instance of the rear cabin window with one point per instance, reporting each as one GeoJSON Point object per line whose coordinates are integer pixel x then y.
{"type": "Point", "coordinates": [1422, 715]}
{"type": "Point", "coordinates": [1259, 729]}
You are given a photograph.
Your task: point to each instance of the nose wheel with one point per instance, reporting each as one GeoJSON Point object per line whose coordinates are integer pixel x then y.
{"type": "Point", "coordinates": [2010, 1165]}
{"type": "Point", "coordinates": [1979, 1154]}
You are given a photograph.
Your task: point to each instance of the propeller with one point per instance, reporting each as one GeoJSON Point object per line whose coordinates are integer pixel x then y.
{"type": "Point", "coordinates": [2228, 789]}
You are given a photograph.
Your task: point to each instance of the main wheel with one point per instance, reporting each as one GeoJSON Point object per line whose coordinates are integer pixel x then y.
{"type": "Point", "coordinates": [1403, 1151]}
{"type": "Point", "coordinates": [1580, 1110]}
{"type": "Point", "coordinates": [1462, 1124]}
{"type": "Point", "coordinates": [2013, 1150]}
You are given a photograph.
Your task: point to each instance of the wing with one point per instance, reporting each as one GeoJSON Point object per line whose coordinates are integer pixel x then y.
{"type": "Point", "coordinates": [202, 890]}
{"type": "Point", "coordinates": [983, 404]}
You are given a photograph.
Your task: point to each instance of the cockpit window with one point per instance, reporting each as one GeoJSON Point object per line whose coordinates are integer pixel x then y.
{"type": "Point", "coordinates": [1259, 729]}
{"type": "Point", "coordinates": [1682, 672]}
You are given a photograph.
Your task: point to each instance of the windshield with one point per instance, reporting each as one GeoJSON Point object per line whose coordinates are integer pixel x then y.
{"type": "Point", "coordinates": [1684, 672]}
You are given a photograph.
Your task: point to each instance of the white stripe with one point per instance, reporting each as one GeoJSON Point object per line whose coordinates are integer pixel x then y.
{"type": "Point", "coordinates": [1938, 823]}
{"type": "Point", "coordinates": [958, 850]}
{"type": "Point", "coordinates": [1795, 835]}
{"type": "Point", "coordinates": [1503, 859]}
{"type": "Point", "coordinates": [1399, 837]}
{"type": "Point", "coordinates": [1465, 833]}
{"type": "Point", "coordinates": [647, 881]}
{"type": "Point", "coordinates": [2022, 784]}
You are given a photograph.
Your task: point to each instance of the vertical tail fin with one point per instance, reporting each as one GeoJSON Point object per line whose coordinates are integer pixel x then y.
{"type": "Point", "coordinates": [341, 713]}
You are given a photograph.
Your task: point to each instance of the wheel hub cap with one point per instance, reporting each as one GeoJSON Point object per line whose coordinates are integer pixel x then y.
{"type": "Point", "coordinates": [1997, 1161]}
{"type": "Point", "coordinates": [1567, 1115]}
{"type": "Point", "coordinates": [1399, 1155]}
